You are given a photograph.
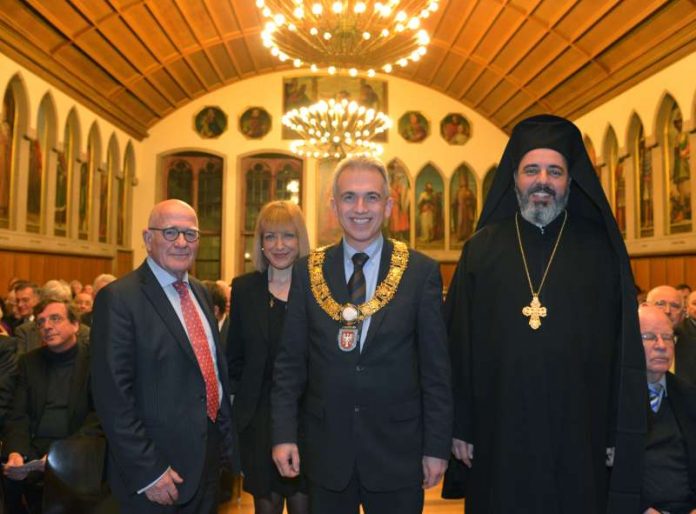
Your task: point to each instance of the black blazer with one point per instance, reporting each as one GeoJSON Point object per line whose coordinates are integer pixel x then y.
{"type": "Point", "coordinates": [682, 397]}
{"type": "Point", "coordinates": [247, 344]}
{"type": "Point", "coordinates": [30, 400]}
{"type": "Point", "coordinates": [685, 351]}
{"type": "Point", "coordinates": [8, 375]}
{"type": "Point", "coordinates": [148, 389]}
{"type": "Point", "coordinates": [380, 410]}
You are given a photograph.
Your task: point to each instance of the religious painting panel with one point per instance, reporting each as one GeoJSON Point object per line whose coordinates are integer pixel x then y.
{"type": "Point", "coordinates": [642, 162]}
{"type": "Point", "coordinates": [210, 122]}
{"type": "Point", "coordinates": [328, 229]}
{"type": "Point", "coordinates": [84, 200]}
{"type": "Point", "coordinates": [398, 225]}
{"type": "Point", "coordinates": [196, 178]}
{"type": "Point", "coordinates": [123, 195]}
{"type": "Point", "coordinates": [34, 184]}
{"type": "Point", "coordinates": [676, 143]}
{"type": "Point", "coordinates": [255, 123]}
{"type": "Point", "coordinates": [304, 91]}
{"type": "Point", "coordinates": [105, 177]}
{"type": "Point", "coordinates": [60, 208]}
{"type": "Point", "coordinates": [430, 218]}
{"type": "Point", "coordinates": [463, 206]}
{"type": "Point", "coordinates": [413, 126]}
{"type": "Point", "coordinates": [267, 177]}
{"type": "Point", "coordinates": [620, 196]}
{"type": "Point", "coordinates": [455, 129]}
{"type": "Point", "coordinates": [487, 182]}
{"type": "Point", "coordinates": [7, 129]}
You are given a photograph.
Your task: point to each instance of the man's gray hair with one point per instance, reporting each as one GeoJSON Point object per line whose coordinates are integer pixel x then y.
{"type": "Point", "coordinates": [361, 163]}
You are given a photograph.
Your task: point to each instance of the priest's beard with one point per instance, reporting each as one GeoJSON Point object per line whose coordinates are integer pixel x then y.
{"type": "Point", "coordinates": [541, 214]}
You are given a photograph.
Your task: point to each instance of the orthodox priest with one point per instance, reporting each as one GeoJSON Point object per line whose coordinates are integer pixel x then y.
{"type": "Point", "coordinates": [548, 368]}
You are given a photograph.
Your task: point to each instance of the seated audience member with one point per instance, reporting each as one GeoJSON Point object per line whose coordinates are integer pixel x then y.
{"type": "Point", "coordinates": [669, 300]}
{"type": "Point", "coordinates": [51, 402]}
{"type": "Point", "coordinates": [75, 287]}
{"type": "Point", "coordinates": [685, 351]}
{"type": "Point", "coordinates": [83, 305]}
{"type": "Point", "coordinates": [9, 315]}
{"type": "Point", "coordinates": [669, 474]}
{"type": "Point", "coordinates": [8, 376]}
{"type": "Point", "coordinates": [27, 295]}
{"type": "Point", "coordinates": [684, 290]}
{"type": "Point", "coordinates": [99, 282]}
{"type": "Point", "coordinates": [217, 293]}
{"type": "Point", "coordinates": [27, 334]}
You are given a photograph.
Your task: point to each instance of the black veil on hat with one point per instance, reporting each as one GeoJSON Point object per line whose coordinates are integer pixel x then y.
{"type": "Point", "coordinates": [586, 199]}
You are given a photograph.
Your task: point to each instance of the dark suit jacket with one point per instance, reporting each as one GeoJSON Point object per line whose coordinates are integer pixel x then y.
{"type": "Point", "coordinates": [8, 375]}
{"type": "Point", "coordinates": [380, 410]}
{"type": "Point", "coordinates": [248, 344]}
{"type": "Point", "coordinates": [148, 388]}
{"type": "Point", "coordinates": [28, 336]}
{"type": "Point", "coordinates": [682, 398]}
{"type": "Point", "coordinates": [30, 400]}
{"type": "Point", "coordinates": [685, 351]}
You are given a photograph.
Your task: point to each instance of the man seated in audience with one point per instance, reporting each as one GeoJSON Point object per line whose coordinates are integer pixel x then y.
{"type": "Point", "coordinates": [669, 474]}
{"type": "Point", "coordinates": [684, 291]}
{"type": "Point", "coordinates": [8, 375]}
{"type": "Point", "coordinates": [51, 402]}
{"type": "Point", "coordinates": [26, 296]}
{"type": "Point", "coordinates": [99, 282]}
{"type": "Point", "coordinates": [669, 300]}
{"type": "Point", "coordinates": [83, 303]}
{"type": "Point", "coordinates": [28, 336]}
{"type": "Point", "coordinates": [685, 352]}
{"type": "Point", "coordinates": [75, 287]}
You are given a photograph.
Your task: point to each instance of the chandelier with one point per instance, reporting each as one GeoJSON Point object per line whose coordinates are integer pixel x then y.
{"type": "Point", "coordinates": [336, 129]}
{"type": "Point", "coordinates": [351, 35]}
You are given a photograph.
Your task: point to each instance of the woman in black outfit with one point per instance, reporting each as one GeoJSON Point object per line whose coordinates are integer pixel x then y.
{"type": "Point", "coordinates": [257, 312]}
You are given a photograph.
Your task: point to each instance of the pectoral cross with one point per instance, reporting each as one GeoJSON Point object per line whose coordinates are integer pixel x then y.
{"type": "Point", "coordinates": [534, 311]}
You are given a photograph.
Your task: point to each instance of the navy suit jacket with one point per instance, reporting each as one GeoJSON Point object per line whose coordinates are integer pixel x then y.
{"type": "Point", "coordinates": [148, 388]}
{"type": "Point", "coordinates": [379, 410]}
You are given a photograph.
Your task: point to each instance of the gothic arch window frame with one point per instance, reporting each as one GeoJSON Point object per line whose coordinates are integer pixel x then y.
{"type": "Point", "coordinates": [92, 158]}
{"type": "Point", "coordinates": [163, 193]}
{"type": "Point", "coordinates": [612, 161]}
{"type": "Point", "coordinates": [130, 181]}
{"type": "Point", "coordinates": [644, 198]}
{"type": "Point", "coordinates": [19, 151]}
{"type": "Point", "coordinates": [244, 233]}
{"type": "Point", "coordinates": [46, 137]}
{"type": "Point", "coordinates": [111, 172]}
{"type": "Point", "coordinates": [467, 168]}
{"type": "Point", "coordinates": [444, 213]}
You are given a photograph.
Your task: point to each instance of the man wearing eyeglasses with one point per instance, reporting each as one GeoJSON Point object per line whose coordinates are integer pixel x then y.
{"type": "Point", "coordinates": [669, 475]}
{"type": "Point", "coordinates": [160, 378]}
{"type": "Point", "coordinates": [51, 402]}
{"type": "Point", "coordinates": [669, 300]}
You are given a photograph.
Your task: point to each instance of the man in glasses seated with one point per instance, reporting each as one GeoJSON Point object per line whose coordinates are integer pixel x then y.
{"type": "Point", "coordinates": [669, 474]}
{"type": "Point", "coordinates": [51, 402]}
{"type": "Point", "coordinates": [160, 377]}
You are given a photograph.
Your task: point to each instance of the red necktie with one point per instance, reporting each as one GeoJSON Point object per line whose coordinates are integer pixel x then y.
{"type": "Point", "coordinates": [199, 342]}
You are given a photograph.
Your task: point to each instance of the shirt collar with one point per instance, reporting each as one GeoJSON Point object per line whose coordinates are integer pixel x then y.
{"type": "Point", "coordinates": [372, 249]}
{"type": "Point", "coordinates": [163, 276]}
{"type": "Point", "coordinates": [663, 383]}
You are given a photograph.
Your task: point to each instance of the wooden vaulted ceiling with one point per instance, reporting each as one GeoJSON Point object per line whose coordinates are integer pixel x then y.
{"type": "Point", "coordinates": [136, 61]}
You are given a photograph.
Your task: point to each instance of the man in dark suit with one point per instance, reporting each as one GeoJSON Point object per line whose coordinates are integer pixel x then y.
{"type": "Point", "coordinates": [159, 375]}
{"type": "Point", "coordinates": [51, 402]}
{"type": "Point", "coordinates": [685, 351]}
{"type": "Point", "coordinates": [669, 474]}
{"type": "Point", "coordinates": [8, 375]}
{"type": "Point", "coordinates": [364, 351]}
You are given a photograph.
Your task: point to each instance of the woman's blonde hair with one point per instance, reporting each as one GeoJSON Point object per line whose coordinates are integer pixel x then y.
{"type": "Point", "coordinates": [274, 215]}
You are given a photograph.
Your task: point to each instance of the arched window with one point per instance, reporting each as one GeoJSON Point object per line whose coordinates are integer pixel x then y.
{"type": "Point", "coordinates": [618, 179]}
{"type": "Point", "coordinates": [8, 123]}
{"type": "Point", "coordinates": [196, 178]}
{"type": "Point", "coordinates": [123, 195]}
{"type": "Point", "coordinates": [106, 188]}
{"type": "Point", "coordinates": [267, 177]}
{"type": "Point", "coordinates": [675, 144]}
{"type": "Point", "coordinates": [463, 205]}
{"type": "Point", "coordinates": [64, 176]}
{"type": "Point", "coordinates": [642, 171]}
{"type": "Point", "coordinates": [430, 217]}
{"type": "Point", "coordinates": [39, 162]}
{"type": "Point", "coordinates": [487, 182]}
{"type": "Point", "coordinates": [398, 226]}
{"type": "Point", "coordinates": [88, 170]}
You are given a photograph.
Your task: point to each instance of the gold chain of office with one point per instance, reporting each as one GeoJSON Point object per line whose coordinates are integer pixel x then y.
{"type": "Point", "coordinates": [383, 294]}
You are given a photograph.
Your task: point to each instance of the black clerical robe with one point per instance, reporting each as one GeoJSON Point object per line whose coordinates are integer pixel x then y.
{"type": "Point", "coordinates": [537, 404]}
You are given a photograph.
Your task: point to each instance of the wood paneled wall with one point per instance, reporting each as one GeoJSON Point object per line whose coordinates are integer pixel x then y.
{"type": "Point", "coordinates": [40, 267]}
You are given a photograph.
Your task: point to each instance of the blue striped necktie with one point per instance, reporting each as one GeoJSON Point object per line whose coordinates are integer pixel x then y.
{"type": "Point", "coordinates": [655, 393]}
{"type": "Point", "coordinates": [357, 287]}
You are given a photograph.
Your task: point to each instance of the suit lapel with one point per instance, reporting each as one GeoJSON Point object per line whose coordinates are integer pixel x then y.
{"type": "Point", "coordinates": [157, 297]}
{"type": "Point", "coordinates": [335, 274]}
{"type": "Point", "coordinates": [378, 317]}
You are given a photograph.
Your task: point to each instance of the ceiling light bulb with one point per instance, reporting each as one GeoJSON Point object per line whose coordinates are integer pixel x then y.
{"type": "Point", "coordinates": [327, 35]}
{"type": "Point", "coordinates": [360, 8]}
{"type": "Point", "coordinates": [353, 72]}
{"type": "Point", "coordinates": [332, 70]}
{"type": "Point", "coordinates": [337, 7]}
{"type": "Point", "coordinates": [317, 9]}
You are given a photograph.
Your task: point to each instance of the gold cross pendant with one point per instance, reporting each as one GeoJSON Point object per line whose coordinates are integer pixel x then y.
{"type": "Point", "coordinates": [535, 311]}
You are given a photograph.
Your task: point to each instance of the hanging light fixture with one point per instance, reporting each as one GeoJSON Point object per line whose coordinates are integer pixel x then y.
{"type": "Point", "coordinates": [336, 129]}
{"type": "Point", "coordinates": [351, 35]}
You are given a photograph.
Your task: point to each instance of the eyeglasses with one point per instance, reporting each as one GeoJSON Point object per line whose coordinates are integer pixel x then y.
{"type": "Point", "coordinates": [172, 233]}
{"type": "Point", "coordinates": [672, 305]}
{"type": "Point", "coordinates": [53, 318]}
{"type": "Point", "coordinates": [650, 337]}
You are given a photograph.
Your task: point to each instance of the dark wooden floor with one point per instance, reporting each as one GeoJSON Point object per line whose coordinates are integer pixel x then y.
{"type": "Point", "coordinates": [433, 505]}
